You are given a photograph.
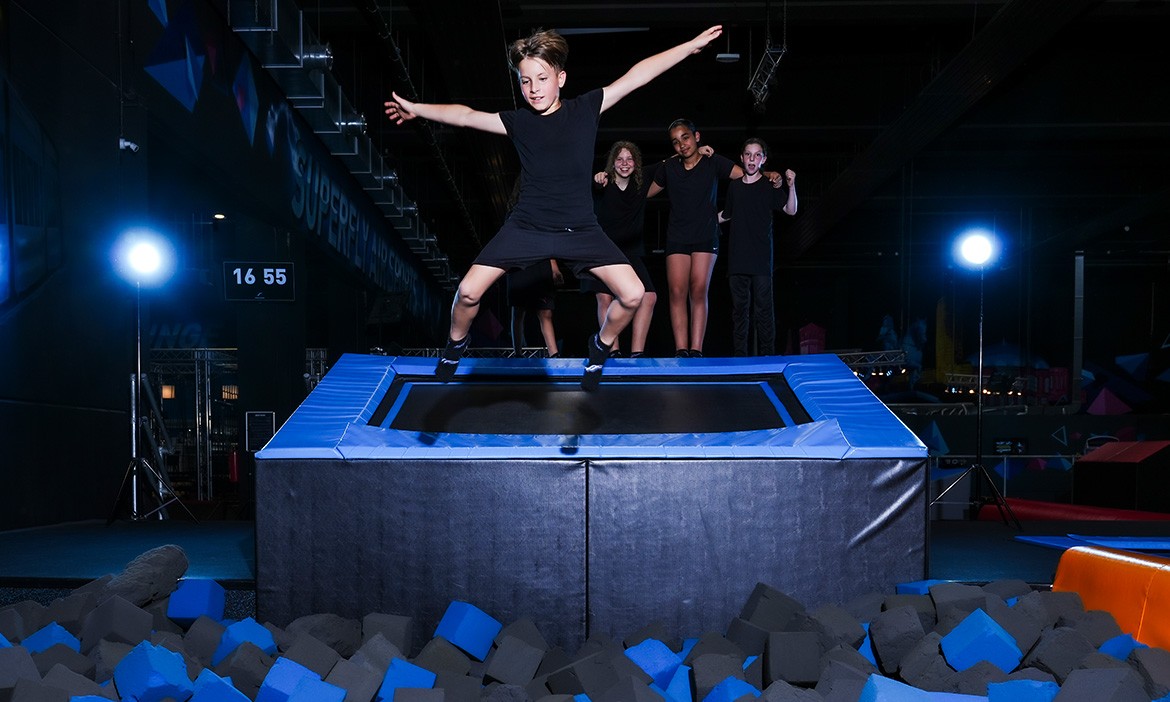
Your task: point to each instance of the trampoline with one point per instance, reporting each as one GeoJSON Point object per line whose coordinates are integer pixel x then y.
{"type": "Point", "coordinates": [666, 495]}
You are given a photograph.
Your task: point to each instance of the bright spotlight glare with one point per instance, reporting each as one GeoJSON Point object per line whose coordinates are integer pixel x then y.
{"type": "Point", "coordinates": [976, 248]}
{"type": "Point", "coordinates": [143, 257]}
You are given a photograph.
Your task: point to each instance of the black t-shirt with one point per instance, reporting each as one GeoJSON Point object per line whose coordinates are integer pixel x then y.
{"type": "Point", "coordinates": [693, 217]}
{"type": "Point", "coordinates": [749, 206]}
{"type": "Point", "coordinates": [556, 163]}
{"type": "Point", "coordinates": [622, 214]}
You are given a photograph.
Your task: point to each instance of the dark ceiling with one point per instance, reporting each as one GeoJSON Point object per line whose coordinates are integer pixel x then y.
{"type": "Point", "coordinates": [1050, 114]}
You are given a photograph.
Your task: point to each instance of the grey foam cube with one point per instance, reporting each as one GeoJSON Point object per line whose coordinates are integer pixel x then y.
{"type": "Point", "coordinates": [500, 692]}
{"type": "Point", "coordinates": [312, 654]}
{"type": "Point", "coordinates": [360, 682]}
{"type": "Point", "coordinates": [1023, 627]}
{"type": "Point", "coordinates": [16, 664]}
{"type": "Point", "coordinates": [117, 620]}
{"type": "Point", "coordinates": [247, 666]}
{"type": "Point", "coordinates": [64, 656]}
{"type": "Point", "coordinates": [769, 608]}
{"type": "Point", "coordinates": [525, 630]}
{"type": "Point", "coordinates": [750, 638]}
{"type": "Point", "coordinates": [70, 611]}
{"type": "Point", "coordinates": [1007, 588]}
{"type": "Point", "coordinates": [1097, 625]}
{"type": "Point", "coordinates": [1102, 685]}
{"type": "Point", "coordinates": [440, 654]}
{"type": "Point", "coordinates": [629, 690]}
{"type": "Point", "coordinates": [202, 638]}
{"type": "Point", "coordinates": [77, 683]}
{"type": "Point", "coordinates": [964, 598]}
{"type": "Point", "coordinates": [341, 634]}
{"type": "Point", "coordinates": [849, 656]}
{"type": "Point", "coordinates": [713, 642]}
{"type": "Point", "coordinates": [513, 661]}
{"type": "Point", "coordinates": [781, 691]}
{"type": "Point", "coordinates": [924, 665]}
{"type": "Point", "coordinates": [1059, 651]}
{"type": "Point", "coordinates": [158, 614]}
{"type": "Point", "coordinates": [892, 634]}
{"type": "Point", "coordinates": [792, 656]}
{"type": "Point", "coordinates": [459, 688]}
{"type": "Point", "coordinates": [395, 628]}
{"type": "Point", "coordinates": [839, 625]}
{"type": "Point", "coordinates": [376, 653]}
{"type": "Point", "coordinates": [1153, 664]}
{"type": "Point", "coordinates": [922, 605]}
{"type": "Point", "coordinates": [840, 682]}
{"type": "Point", "coordinates": [106, 656]}
{"type": "Point", "coordinates": [594, 675]}
{"type": "Point", "coordinates": [419, 694]}
{"type": "Point", "coordinates": [710, 669]}
{"type": "Point", "coordinates": [975, 679]}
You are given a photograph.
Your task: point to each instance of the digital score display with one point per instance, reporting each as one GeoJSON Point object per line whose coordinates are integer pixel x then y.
{"type": "Point", "coordinates": [252, 281]}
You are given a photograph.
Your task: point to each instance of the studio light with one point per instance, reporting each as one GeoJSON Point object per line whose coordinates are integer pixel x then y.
{"type": "Point", "coordinates": [977, 249]}
{"type": "Point", "coordinates": [144, 257]}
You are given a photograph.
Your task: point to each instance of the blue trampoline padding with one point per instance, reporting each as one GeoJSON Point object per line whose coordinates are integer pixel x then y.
{"type": "Point", "coordinates": [1124, 543]}
{"type": "Point", "coordinates": [1060, 542]}
{"type": "Point", "coordinates": [1127, 543]}
{"type": "Point", "coordinates": [848, 421]}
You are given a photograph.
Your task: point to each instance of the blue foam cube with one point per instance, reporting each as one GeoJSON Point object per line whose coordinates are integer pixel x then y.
{"type": "Point", "coordinates": [730, 689]}
{"type": "Point", "coordinates": [5, 643]}
{"type": "Point", "coordinates": [882, 689]}
{"type": "Point", "coordinates": [404, 674]}
{"type": "Point", "coordinates": [310, 690]}
{"type": "Point", "coordinates": [150, 673]}
{"type": "Point", "coordinates": [209, 687]}
{"type": "Point", "coordinates": [655, 659]}
{"type": "Point", "coordinates": [980, 638]}
{"type": "Point", "coordinates": [1121, 646]}
{"type": "Point", "coordinates": [194, 598]}
{"type": "Point", "coordinates": [1022, 691]}
{"type": "Point", "coordinates": [238, 633]}
{"type": "Point", "coordinates": [917, 587]}
{"type": "Point", "coordinates": [469, 628]}
{"type": "Point", "coordinates": [866, 646]}
{"type": "Point", "coordinates": [282, 678]}
{"type": "Point", "coordinates": [48, 636]}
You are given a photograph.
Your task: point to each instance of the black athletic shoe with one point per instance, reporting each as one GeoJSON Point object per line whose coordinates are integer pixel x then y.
{"type": "Point", "coordinates": [637, 354]}
{"type": "Point", "coordinates": [695, 353]}
{"type": "Point", "coordinates": [616, 353]}
{"type": "Point", "coordinates": [682, 353]}
{"type": "Point", "coordinates": [598, 352]}
{"type": "Point", "coordinates": [449, 359]}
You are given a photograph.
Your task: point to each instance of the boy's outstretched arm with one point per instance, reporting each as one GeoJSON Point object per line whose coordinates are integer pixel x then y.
{"type": "Point", "coordinates": [400, 110]}
{"type": "Point", "coordinates": [650, 68]}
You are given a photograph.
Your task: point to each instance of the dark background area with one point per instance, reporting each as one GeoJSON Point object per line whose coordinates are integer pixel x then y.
{"type": "Point", "coordinates": [906, 123]}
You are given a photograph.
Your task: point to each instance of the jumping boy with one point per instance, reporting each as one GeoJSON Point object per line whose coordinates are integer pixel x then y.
{"type": "Point", "coordinates": [553, 217]}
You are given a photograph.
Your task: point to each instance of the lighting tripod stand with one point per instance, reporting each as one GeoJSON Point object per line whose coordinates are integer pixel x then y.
{"type": "Point", "coordinates": [139, 467]}
{"type": "Point", "coordinates": [977, 250]}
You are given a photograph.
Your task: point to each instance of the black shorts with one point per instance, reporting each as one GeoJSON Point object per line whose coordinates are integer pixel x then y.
{"type": "Point", "coordinates": [532, 288]}
{"type": "Point", "coordinates": [592, 285]}
{"type": "Point", "coordinates": [688, 248]}
{"type": "Point", "coordinates": [519, 246]}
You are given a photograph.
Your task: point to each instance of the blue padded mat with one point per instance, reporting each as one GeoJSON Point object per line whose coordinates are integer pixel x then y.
{"type": "Point", "coordinates": [1124, 543]}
